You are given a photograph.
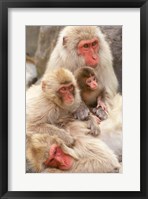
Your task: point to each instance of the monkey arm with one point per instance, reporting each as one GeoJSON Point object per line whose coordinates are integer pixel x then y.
{"type": "Point", "coordinates": [93, 125]}
{"type": "Point", "coordinates": [101, 109]}
{"type": "Point", "coordinates": [100, 102]}
{"type": "Point", "coordinates": [53, 130]}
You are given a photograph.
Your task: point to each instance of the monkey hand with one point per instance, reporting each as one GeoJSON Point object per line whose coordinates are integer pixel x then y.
{"type": "Point", "coordinates": [102, 105]}
{"type": "Point", "coordinates": [97, 119]}
{"type": "Point", "coordinates": [99, 112]}
{"type": "Point", "coordinates": [94, 128]}
{"type": "Point", "coordinates": [82, 113]}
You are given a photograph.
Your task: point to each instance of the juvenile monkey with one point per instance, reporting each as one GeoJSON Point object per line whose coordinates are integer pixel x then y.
{"type": "Point", "coordinates": [92, 91]}
{"type": "Point", "coordinates": [49, 101]}
{"type": "Point", "coordinates": [51, 104]}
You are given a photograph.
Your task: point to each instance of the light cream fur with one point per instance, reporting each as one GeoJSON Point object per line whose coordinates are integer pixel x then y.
{"type": "Point", "coordinates": [89, 154]}
{"type": "Point", "coordinates": [111, 128]}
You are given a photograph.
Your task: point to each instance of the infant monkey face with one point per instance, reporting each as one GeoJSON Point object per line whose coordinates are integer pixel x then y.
{"type": "Point", "coordinates": [91, 82]}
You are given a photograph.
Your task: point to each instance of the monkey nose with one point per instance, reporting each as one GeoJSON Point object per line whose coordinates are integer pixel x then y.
{"type": "Point", "coordinates": [94, 57]}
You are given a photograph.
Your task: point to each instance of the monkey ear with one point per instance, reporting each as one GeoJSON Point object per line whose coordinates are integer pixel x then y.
{"type": "Point", "coordinates": [65, 39]}
{"type": "Point", "coordinates": [43, 85]}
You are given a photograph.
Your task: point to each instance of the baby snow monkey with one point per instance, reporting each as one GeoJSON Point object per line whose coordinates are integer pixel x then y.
{"type": "Point", "coordinates": [92, 91]}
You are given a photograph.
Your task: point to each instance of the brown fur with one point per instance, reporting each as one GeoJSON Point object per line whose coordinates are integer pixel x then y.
{"type": "Point", "coordinates": [90, 97]}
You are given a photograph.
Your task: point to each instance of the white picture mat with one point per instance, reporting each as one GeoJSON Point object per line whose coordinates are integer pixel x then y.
{"type": "Point", "coordinates": [129, 180]}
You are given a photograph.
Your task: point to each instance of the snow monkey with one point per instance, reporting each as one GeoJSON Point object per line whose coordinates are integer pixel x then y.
{"type": "Point", "coordinates": [51, 104]}
{"type": "Point", "coordinates": [49, 154]}
{"type": "Point", "coordinates": [79, 46]}
{"type": "Point", "coordinates": [92, 91]}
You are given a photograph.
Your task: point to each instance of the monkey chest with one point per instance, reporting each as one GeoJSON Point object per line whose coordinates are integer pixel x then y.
{"type": "Point", "coordinates": [90, 99]}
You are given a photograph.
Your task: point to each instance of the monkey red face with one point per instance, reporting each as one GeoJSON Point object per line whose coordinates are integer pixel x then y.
{"type": "Point", "coordinates": [58, 159]}
{"type": "Point", "coordinates": [92, 82]}
{"type": "Point", "coordinates": [66, 91]}
{"type": "Point", "coordinates": [89, 50]}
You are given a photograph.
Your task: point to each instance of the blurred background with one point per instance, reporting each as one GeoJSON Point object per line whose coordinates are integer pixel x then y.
{"type": "Point", "coordinates": [40, 41]}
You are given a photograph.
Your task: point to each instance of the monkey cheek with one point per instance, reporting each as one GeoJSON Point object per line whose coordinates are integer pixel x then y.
{"type": "Point", "coordinates": [66, 163]}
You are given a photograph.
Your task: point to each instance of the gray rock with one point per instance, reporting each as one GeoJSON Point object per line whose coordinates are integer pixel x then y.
{"type": "Point", "coordinates": [114, 37]}
{"type": "Point", "coordinates": [31, 72]}
{"type": "Point", "coordinates": [46, 43]}
{"type": "Point", "coordinates": [32, 33]}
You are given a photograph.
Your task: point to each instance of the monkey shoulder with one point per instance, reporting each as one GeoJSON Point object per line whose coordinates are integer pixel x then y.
{"type": "Point", "coordinates": [38, 108]}
{"type": "Point", "coordinates": [53, 114]}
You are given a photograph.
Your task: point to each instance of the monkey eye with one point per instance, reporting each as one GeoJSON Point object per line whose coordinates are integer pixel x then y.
{"type": "Point", "coordinates": [94, 43]}
{"type": "Point", "coordinates": [63, 89]}
{"type": "Point", "coordinates": [89, 81]}
{"type": "Point", "coordinates": [71, 87]}
{"type": "Point", "coordinates": [85, 45]}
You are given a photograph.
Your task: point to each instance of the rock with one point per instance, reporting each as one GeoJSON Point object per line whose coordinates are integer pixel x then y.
{"type": "Point", "coordinates": [47, 41]}
{"type": "Point", "coordinates": [32, 33]}
{"type": "Point", "coordinates": [31, 72]}
{"type": "Point", "coordinates": [114, 37]}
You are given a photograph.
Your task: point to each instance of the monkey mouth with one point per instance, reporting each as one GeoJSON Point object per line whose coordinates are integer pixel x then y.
{"type": "Point", "coordinates": [93, 89]}
{"type": "Point", "coordinates": [92, 65]}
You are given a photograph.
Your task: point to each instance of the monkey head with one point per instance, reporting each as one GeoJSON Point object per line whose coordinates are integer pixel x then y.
{"type": "Point", "coordinates": [44, 151]}
{"type": "Point", "coordinates": [86, 78]}
{"type": "Point", "coordinates": [58, 159]}
{"type": "Point", "coordinates": [60, 87]}
{"type": "Point", "coordinates": [84, 41]}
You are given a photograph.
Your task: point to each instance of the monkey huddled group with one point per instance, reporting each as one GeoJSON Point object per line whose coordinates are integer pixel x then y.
{"type": "Point", "coordinates": [73, 117]}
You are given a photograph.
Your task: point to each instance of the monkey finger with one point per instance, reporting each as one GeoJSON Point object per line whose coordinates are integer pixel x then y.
{"type": "Point", "coordinates": [97, 119]}
{"type": "Point", "coordinates": [101, 114]}
{"type": "Point", "coordinates": [82, 115]}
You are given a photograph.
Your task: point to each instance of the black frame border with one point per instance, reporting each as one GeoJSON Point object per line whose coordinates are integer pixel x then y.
{"type": "Point", "coordinates": [4, 6]}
